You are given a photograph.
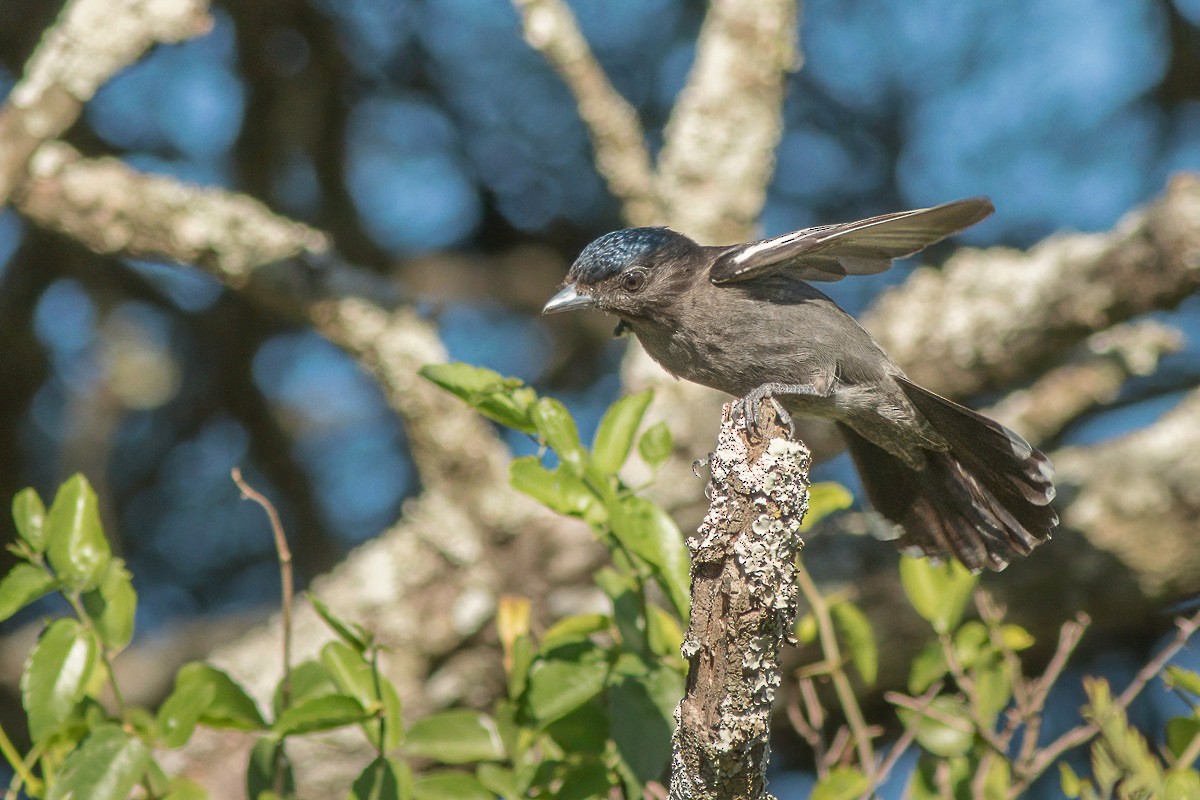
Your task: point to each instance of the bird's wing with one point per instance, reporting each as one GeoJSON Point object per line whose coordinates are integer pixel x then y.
{"type": "Point", "coordinates": [831, 252]}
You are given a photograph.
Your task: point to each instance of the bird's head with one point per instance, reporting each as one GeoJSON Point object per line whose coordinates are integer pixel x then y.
{"type": "Point", "coordinates": [633, 273]}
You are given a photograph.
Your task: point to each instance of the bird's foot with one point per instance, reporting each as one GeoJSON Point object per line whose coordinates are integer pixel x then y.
{"type": "Point", "coordinates": [750, 404]}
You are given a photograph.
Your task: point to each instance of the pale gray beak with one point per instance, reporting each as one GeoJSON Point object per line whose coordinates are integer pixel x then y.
{"type": "Point", "coordinates": [567, 299]}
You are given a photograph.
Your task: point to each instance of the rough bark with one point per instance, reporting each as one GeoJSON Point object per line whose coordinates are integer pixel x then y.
{"type": "Point", "coordinates": [743, 609]}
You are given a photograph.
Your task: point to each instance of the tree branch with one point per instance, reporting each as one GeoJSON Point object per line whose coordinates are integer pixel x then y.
{"type": "Point", "coordinates": [743, 609]}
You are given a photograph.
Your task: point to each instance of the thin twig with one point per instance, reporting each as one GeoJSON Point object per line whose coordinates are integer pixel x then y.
{"type": "Point", "coordinates": [1081, 734]}
{"type": "Point", "coordinates": [841, 683]}
{"type": "Point", "coordinates": [810, 733]}
{"type": "Point", "coordinates": [904, 701]}
{"type": "Point", "coordinates": [967, 685]}
{"type": "Point", "coordinates": [902, 744]}
{"type": "Point", "coordinates": [1069, 637]}
{"type": "Point", "coordinates": [287, 588]}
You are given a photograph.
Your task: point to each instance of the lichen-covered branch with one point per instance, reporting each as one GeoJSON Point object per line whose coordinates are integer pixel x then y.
{"type": "Point", "coordinates": [618, 141]}
{"type": "Point", "coordinates": [1063, 394]}
{"type": "Point", "coordinates": [743, 608]}
{"type": "Point", "coordinates": [89, 43]}
{"type": "Point", "coordinates": [994, 316]}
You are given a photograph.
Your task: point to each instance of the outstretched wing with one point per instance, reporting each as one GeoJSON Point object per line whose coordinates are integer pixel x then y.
{"type": "Point", "coordinates": [831, 252]}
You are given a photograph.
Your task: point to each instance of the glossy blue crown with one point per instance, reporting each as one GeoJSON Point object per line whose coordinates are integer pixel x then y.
{"type": "Point", "coordinates": [614, 251]}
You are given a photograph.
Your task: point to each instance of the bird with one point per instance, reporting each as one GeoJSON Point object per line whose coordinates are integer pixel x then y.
{"type": "Point", "coordinates": [745, 320]}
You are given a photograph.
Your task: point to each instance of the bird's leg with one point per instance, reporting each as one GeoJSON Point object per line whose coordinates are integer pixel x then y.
{"type": "Point", "coordinates": [749, 404]}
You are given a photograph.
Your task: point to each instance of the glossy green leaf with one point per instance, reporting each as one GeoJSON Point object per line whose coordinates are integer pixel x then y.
{"type": "Point", "coordinates": [322, 713]}
{"type": "Point", "coordinates": [557, 686]}
{"type": "Point", "coordinates": [936, 735]}
{"type": "Point", "coordinates": [268, 758]}
{"type": "Point", "coordinates": [75, 542]}
{"type": "Point", "coordinates": [111, 606]}
{"type": "Point", "coordinates": [459, 736]}
{"type": "Point", "coordinates": [351, 633]}
{"type": "Point", "coordinates": [1180, 678]}
{"type": "Point", "coordinates": [505, 400]}
{"type": "Point", "coordinates": [655, 445]}
{"type": "Point", "coordinates": [181, 711]}
{"type": "Point", "coordinates": [842, 783]}
{"type": "Point", "coordinates": [383, 779]}
{"type": "Point", "coordinates": [825, 499]}
{"type": "Point", "coordinates": [353, 675]}
{"type": "Point", "coordinates": [623, 590]}
{"type": "Point", "coordinates": [574, 629]}
{"type": "Point", "coordinates": [642, 708]}
{"type": "Point", "coordinates": [105, 766]}
{"type": "Point", "coordinates": [231, 707]}
{"type": "Point", "coordinates": [56, 676]}
{"type": "Point", "coordinates": [558, 489]}
{"type": "Point", "coordinates": [23, 584]}
{"type": "Point", "coordinates": [855, 632]}
{"type": "Point", "coordinates": [450, 786]}
{"type": "Point", "coordinates": [646, 530]}
{"type": "Point", "coordinates": [618, 426]}
{"type": "Point", "coordinates": [558, 430]}
{"type": "Point", "coordinates": [500, 780]}
{"type": "Point", "coordinates": [30, 517]}
{"type": "Point", "coordinates": [971, 643]}
{"type": "Point", "coordinates": [938, 592]}
{"type": "Point", "coordinates": [1181, 731]}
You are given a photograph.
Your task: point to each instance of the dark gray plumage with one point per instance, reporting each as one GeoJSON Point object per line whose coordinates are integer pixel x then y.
{"type": "Point", "coordinates": [743, 320]}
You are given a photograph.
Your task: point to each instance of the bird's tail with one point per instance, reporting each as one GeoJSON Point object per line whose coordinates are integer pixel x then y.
{"type": "Point", "coordinates": [983, 501]}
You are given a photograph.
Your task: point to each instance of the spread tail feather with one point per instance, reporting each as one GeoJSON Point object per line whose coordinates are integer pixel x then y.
{"type": "Point", "coordinates": [984, 501]}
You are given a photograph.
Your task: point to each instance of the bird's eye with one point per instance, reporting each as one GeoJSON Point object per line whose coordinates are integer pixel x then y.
{"type": "Point", "coordinates": [633, 280]}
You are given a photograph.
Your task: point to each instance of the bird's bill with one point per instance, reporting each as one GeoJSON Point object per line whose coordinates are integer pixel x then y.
{"type": "Point", "coordinates": [568, 298]}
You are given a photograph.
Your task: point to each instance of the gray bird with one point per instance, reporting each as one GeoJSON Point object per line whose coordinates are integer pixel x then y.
{"type": "Point", "coordinates": [742, 319]}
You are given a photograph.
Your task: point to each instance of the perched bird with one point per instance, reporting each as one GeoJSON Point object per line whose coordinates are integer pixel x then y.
{"type": "Point", "coordinates": [743, 319]}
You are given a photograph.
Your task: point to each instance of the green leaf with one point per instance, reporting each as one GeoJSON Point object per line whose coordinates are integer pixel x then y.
{"type": "Point", "coordinates": [56, 676]}
{"type": "Point", "coordinates": [309, 679]}
{"type": "Point", "coordinates": [806, 629]}
{"type": "Point", "coordinates": [558, 686]}
{"type": "Point", "coordinates": [557, 428]}
{"type": "Point", "coordinates": [656, 445]}
{"type": "Point", "coordinates": [971, 643]}
{"type": "Point", "coordinates": [558, 489]}
{"type": "Point", "coordinates": [587, 780]}
{"type": "Point", "coordinates": [939, 593]}
{"type": "Point", "coordinates": [1180, 678]}
{"type": "Point", "coordinates": [623, 590]}
{"type": "Point", "coordinates": [111, 606]}
{"type": "Point", "coordinates": [30, 517]}
{"type": "Point", "coordinates": [1180, 733]}
{"type": "Point", "coordinates": [106, 766]}
{"type": "Point", "coordinates": [585, 731]}
{"type": "Point", "coordinates": [573, 629]}
{"type": "Point", "coordinates": [997, 780]}
{"type": "Point", "coordinates": [75, 543]}
{"type": "Point", "coordinates": [231, 707]}
{"type": "Point", "coordinates": [648, 532]}
{"type": "Point", "coordinates": [1068, 781]}
{"type": "Point", "coordinates": [181, 711]}
{"type": "Point", "coordinates": [322, 713]}
{"type": "Point", "coordinates": [1181, 784]}
{"type": "Point", "coordinates": [23, 584]}
{"type": "Point", "coordinates": [1016, 638]}
{"type": "Point", "coordinates": [663, 634]}
{"type": "Point", "coordinates": [459, 736]}
{"type": "Point", "coordinates": [184, 789]}
{"type": "Point", "coordinates": [993, 688]}
{"type": "Point", "coordinates": [351, 633]}
{"type": "Point", "coordinates": [937, 736]}
{"type": "Point", "coordinates": [854, 629]}
{"type": "Point", "coordinates": [354, 676]}
{"type": "Point", "coordinates": [266, 757]}
{"type": "Point", "coordinates": [927, 666]}
{"type": "Point", "coordinates": [825, 499]}
{"type": "Point", "coordinates": [500, 780]}
{"type": "Point", "coordinates": [504, 400]}
{"type": "Point", "coordinates": [450, 786]}
{"type": "Point", "coordinates": [522, 659]}
{"type": "Point", "coordinates": [383, 779]}
{"type": "Point", "coordinates": [842, 783]}
{"type": "Point", "coordinates": [642, 708]}
{"type": "Point", "coordinates": [614, 437]}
